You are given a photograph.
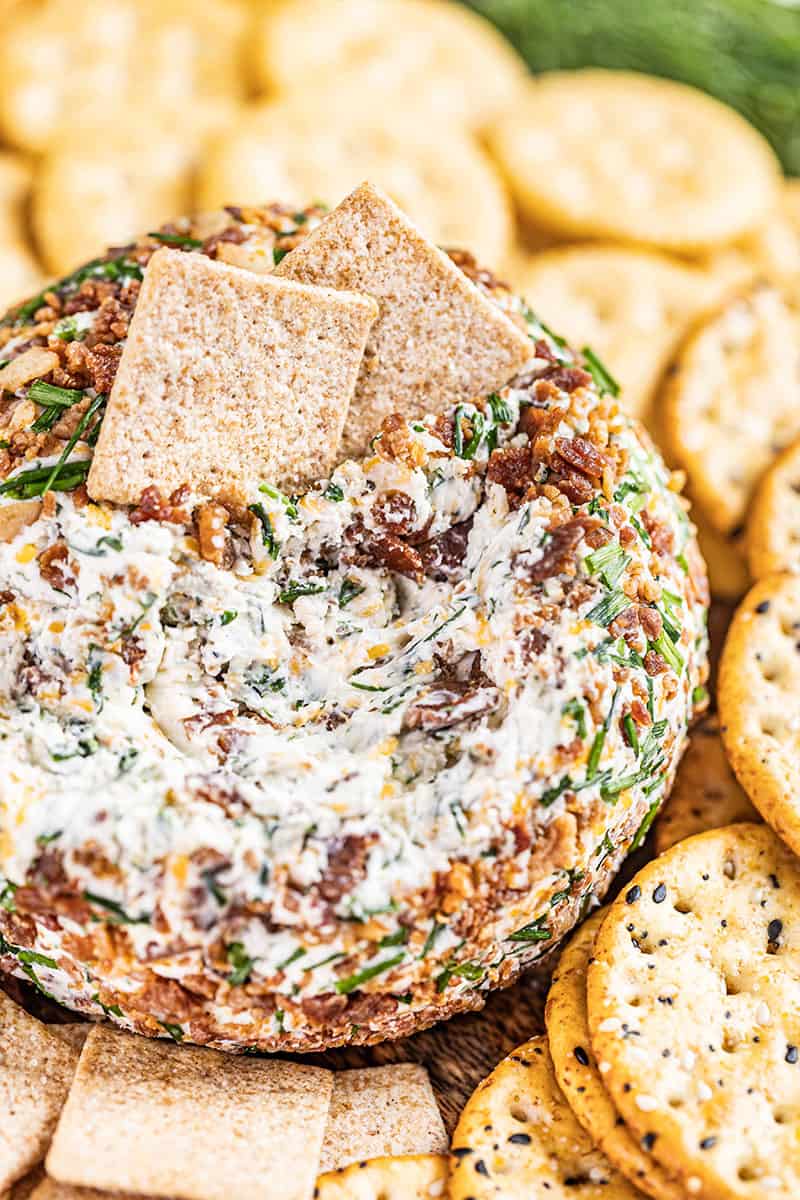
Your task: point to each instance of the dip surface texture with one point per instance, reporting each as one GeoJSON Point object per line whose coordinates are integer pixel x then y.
{"type": "Point", "coordinates": [327, 768]}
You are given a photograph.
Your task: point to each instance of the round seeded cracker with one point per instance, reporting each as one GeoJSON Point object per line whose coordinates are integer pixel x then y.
{"type": "Point", "coordinates": [694, 1010]}
{"type": "Point", "coordinates": [407, 1177]}
{"type": "Point", "coordinates": [517, 1137]}
{"type": "Point", "coordinates": [759, 701]}
{"type": "Point", "coordinates": [629, 157]}
{"type": "Point", "coordinates": [705, 794]}
{"type": "Point", "coordinates": [631, 306]}
{"type": "Point", "coordinates": [773, 526]}
{"type": "Point", "coordinates": [732, 402]}
{"type": "Point", "coordinates": [577, 1073]}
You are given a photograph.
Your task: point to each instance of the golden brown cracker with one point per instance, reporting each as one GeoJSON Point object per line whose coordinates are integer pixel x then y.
{"type": "Point", "coordinates": [517, 1137]}
{"type": "Point", "coordinates": [694, 1011]}
{"type": "Point", "coordinates": [411, 1177]}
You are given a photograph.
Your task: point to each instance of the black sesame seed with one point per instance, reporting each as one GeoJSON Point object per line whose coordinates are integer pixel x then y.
{"type": "Point", "coordinates": [626, 1087]}
{"type": "Point", "coordinates": [462, 1151]}
{"type": "Point", "coordinates": [774, 930]}
{"type": "Point", "coordinates": [708, 1143]}
{"type": "Point", "coordinates": [581, 1055]}
{"type": "Point", "coordinates": [791, 1054]}
{"type": "Point", "coordinates": [660, 894]}
{"type": "Point", "coordinates": [648, 1141]}
{"type": "Point", "coordinates": [633, 894]}
{"type": "Point", "coordinates": [762, 607]}
{"type": "Point", "coordinates": [481, 1168]}
{"type": "Point", "coordinates": [774, 880]}
{"type": "Point", "coordinates": [520, 1139]}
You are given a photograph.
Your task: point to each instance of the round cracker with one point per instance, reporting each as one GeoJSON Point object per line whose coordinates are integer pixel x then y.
{"type": "Point", "coordinates": [446, 61]}
{"type": "Point", "coordinates": [773, 526]}
{"type": "Point", "coordinates": [407, 1177]}
{"type": "Point", "coordinates": [517, 1136]}
{"type": "Point", "coordinates": [118, 193]}
{"type": "Point", "coordinates": [577, 1073]}
{"type": "Point", "coordinates": [633, 158]}
{"type": "Point", "coordinates": [705, 794]}
{"type": "Point", "coordinates": [153, 57]}
{"type": "Point", "coordinates": [759, 701]}
{"type": "Point", "coordinates": [775, 248]}
{"type": "Point", "coordinates": [694, 1011]}
{"type": "Point", "coordinates": [20, 274]}
{"type": "Point", "coordinates": [631, 306]}
{"type": "Point", "coordinates": [445, 182]}
{"type": "Point", "coordinates": [732, 401]}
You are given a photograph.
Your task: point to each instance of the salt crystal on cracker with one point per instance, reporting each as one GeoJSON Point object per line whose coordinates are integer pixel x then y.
{"type": "Point", "coordinates": [381, 1111]}
{"type": "Point", "coordinates": [148, 1117]}
{"type": "Point", "coordinates": [437, 340]}
{"type": "Point", "coordinates": [228, 378]}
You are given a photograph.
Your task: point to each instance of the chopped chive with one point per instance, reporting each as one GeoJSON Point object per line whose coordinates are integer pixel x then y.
{"type": "Point", "coordinates": [345, 986]}
{"type": "Point", "coordinates": [241, 962]}
{"type": "Point", "coordinates": [604, 380]}
{"type": "Point", "coordinates": [501, 411]}
{"type": "Point", "coordinates": [293, 957]}
{"type": "Point", "coordinates": [348, 591]}
{"type": "Point", "coordinates": [276, 494]}
{"type": "Point", "coordinates": [631, 734]}
{"type": "Point", "coordinates": [117, 914]}
{"type": "Point", "coordinates": [640, 529]}
{"type": "Point", "coordinates": [333, 492]}
{"type": "Point", "coordinates": [699, 695]}
{"type": "Point", "coordinates": [596, 751]}
{"type": "Point", "coordinates": [294, 589]}
{"type": "Point", "coordinates": [174, 1031]}
{"type": "Point", "coordinates": [683, 563]}
{"type": "Point", "coordinates": [609, 561]}
{"type": "Point", "coordinates": [430, 940]}
{"type": "Point", "coordinates": [664, 646]}
{"type": "Point", "coordinates": [28, 484]}
{"type": "Point", "coordinates": [644, 828]}
{"type": "Point", "coordinates": [534, 931]}
{"type": "Point", "coordinates": [577, 711]}
{"type": "Point", "coordinates": [47, 394]}
{"type": "Point", "coordinates": [278, 255]}
{"type": "Point", "coordinates": [92, 411]}
{"type": "Point", "coordinates": [466, 970]}
{"type": "Point", "coordinates": [394, 939]}
{"type": "Point", "coordinates": [609, 608]}
{"type": "Point", "coordinates": [177, 239]}
{"type": "Point", "coordinates": [672, 631]}
{"type": "Point", "coordinates": [228, 616]}
{"type": "Point", "coordinates": [268, 538]}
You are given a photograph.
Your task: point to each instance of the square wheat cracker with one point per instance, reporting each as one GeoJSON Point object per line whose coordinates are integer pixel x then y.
{"type": "Point", "coordinates": [36, 1070]}
{"type": "Point", "coordinates": [163, 1120]}
{"type": "Point", "coordinates": [48, 1189]}
{"type": "Point", "coordinates": [437, 340]}
{"type": "Point", "coordinates": [381, 1111]}
{"type": "Point", "coordinates": [228, 378]}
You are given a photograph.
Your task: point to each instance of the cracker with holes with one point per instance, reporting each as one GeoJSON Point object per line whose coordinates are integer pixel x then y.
{"type": "Point", "coordinates": [410, 1177]}
{"type": "Point", "coordinates": [705, 794]}
{"type": "Point", "coordinates": [631, 306]}
{"type": "Point", "coordinates": [228, 377]}
{"type": "Point", "coordinates": [381, 1111]}
{"type": "Point", "coordinates": [733, 401]}
{"type": "Point", "coordinates": [150, 1117]}
{"type": "Point", "coordinates": [580, 1079]}
{"type": "Point", "coordinates": [694, 1011]}
{"type": "Point", "coordinates": [517, 1137]}
{"type": "Point", "coordinates": [36, 1070]}
{"type": "Point", "coordinates": [635, 159]}
{"type": "Point", "coordinates": [437, 339]}
{"type": "Point", "coordinates": [773, 523]}
{"type": "Point", "coordinates": [759, 701]}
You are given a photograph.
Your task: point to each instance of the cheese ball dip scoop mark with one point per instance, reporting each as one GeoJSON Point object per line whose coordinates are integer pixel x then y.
{"type": "Point", "coordinates": [287, 769]}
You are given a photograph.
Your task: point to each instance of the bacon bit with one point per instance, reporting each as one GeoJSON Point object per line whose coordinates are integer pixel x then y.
{"type": "Point", "coordinates": [153, 507]}
{"type": "Point", "coordinates": [512, 467]}
{"type": "Point", "coordinates": [347, 864]}
{"type": "Point", "coordinates": [443, 554]}
{"type": "Point", "coordinates": [567, 379]}
{"type": "Point", "coordinates": [560, 549]}
{"type": "Point", "coordinates": [583, 456]}
{"type": "Point", "coordinates": [396, 512]}
{"type": "Point", "coordinates": [212, 537]}
{"type": "Point", "coordinates": [53, 566]}
{"type": "Point", "coordinates": [467, 263]}
{"type": "Point", "coordinates": [536, 421]}
{"type": "Point", "coordinates": [397, 443]}
{"type": "Point", "coordinates": [233, 234]}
